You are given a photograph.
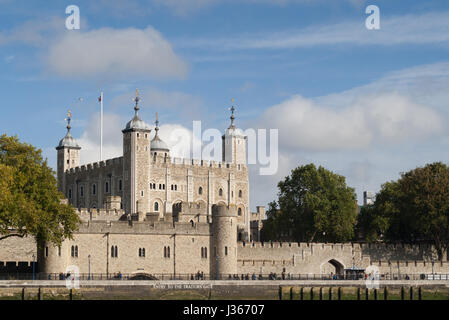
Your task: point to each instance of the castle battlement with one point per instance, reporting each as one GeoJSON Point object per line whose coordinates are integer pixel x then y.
{"type": "Point", "coordinates": [99, 214]}
{"type": "Point", "coordinates": [144, 227]}
{"type": "Point", "coordinates": [96, 165]}
{"type": "Point", "coordinates": [206, 163]}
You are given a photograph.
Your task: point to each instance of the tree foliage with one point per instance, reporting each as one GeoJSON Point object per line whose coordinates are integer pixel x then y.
{"type": "Point", "coordinates": [414, 208]}
{"type": "Point", "coordinates": [30, 203]}
{"type": "Point", "coordinates": [313, 205]}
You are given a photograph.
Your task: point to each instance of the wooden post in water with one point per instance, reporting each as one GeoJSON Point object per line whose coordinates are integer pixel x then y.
{"type": "Point", "coordinates": [366, 294]}
{"type": "Point", "coordinates": [402, 293]}
{"type": "Point", "coordinates": [358, 293]}
{"type": "Point", "coordinates": [71, 294]}
{"type": "Point", "coordinates": [301, 293]}
{"type": "Point", "coordinates": [39, 294]}
{"type": "Point", "coordinates": [280, 293]}
{"type": "Point", "coordinates": [311, 293]}
{"type": "Point", "coordinates": [291, 293]}
{"type": "Point", "coordinates": [339, 293]}
{"type": "Point", "coordinates": [385, 293]}
{"type": "Point", "coordinates": [419, 293]}
{"type": "Point", "coordinates": [375, 294]}
{"type": "Point", "coordinates": [330, 293]}
{"type": "Point", "coordinates": [321, 293]}
{"type": "Point", "coordinates": [411, 293]}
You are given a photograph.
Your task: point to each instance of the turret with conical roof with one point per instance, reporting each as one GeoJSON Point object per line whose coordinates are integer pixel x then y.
{"type": "Point", "coordinates": [157, 144]}
{"type": "Point", "coordinates": [234, 142]}
{"type": "Point", "coordinates": [68, 155]}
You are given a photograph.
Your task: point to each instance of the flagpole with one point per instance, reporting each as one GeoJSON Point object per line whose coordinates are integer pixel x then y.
{"type": "Point", "coordinates": [101, 126]}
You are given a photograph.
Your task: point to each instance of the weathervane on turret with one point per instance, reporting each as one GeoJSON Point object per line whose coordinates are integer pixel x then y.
{"type": "Point", "coordinates": [68, 119]}
{"type": "Point", "coordinates": [157, 124]}
{"type": "Point", "coordinates": [137, 99]}
{"type": "Point", "coordinates": [232, 108]}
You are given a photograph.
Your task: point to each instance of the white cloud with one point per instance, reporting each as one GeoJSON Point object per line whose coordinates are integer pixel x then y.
{"type": "Point", "coordinates": [185, 7]}
{"type": "Point", "coordinates": [177, 137]}
{"type": "Point", "coordinates": [90, 138]}
{"type": "Point", "coordinates": [115, 52]}
{"type": "Point", "coordinates": [426, 28]}
{"type": "Point", "coordinates": [33, 32]}
{"type": "Point", "coordinates": [383, 119]}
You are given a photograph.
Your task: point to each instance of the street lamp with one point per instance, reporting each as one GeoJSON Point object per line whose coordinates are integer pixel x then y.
{"type": "Point", "coordinates": [216, 267]}
{"type": "Point", "coordinates": [433, 262]}
{"type": "Point", "coordinates": [88, 258]}
{"type": "Point", "coordinates": [33, 265]}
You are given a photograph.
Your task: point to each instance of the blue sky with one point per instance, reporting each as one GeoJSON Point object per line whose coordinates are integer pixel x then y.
{"type": "Point", "coordinates": [367, 104]}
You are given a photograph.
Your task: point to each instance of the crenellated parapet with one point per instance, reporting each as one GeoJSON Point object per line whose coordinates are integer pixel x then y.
{"type": "Point", "coordinates": [96, 165]}
{"type": "Point", "coordinates": [100, 214]}
{"type": "Point", "coordinates": [187, 162]}
{"type": "Point", "coordinates": [143, 228]}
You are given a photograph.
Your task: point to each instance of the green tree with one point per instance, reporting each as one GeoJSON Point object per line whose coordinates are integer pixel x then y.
{"type": "Point", "coordinates": [414, 208]}
{"type": "Point", "coordinates": [313, 205]}
{"type": "Point", "coordinates": [30, 203]}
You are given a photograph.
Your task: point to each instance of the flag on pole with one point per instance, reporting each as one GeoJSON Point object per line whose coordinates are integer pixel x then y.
{"type": "Point", "coordinates": [100, 99]}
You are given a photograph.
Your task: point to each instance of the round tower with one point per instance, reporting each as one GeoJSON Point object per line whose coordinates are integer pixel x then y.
{"type": "Point", "coordinates": [224, 241]}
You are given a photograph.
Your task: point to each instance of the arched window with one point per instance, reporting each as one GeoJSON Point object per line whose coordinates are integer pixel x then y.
{"type": "Point", "coordinates": [220, 192]}
{"type": "Point", "coordinates": [166, 252]}
{"type": "Point", "coordinates": [143, 252]}
{"type": "Point", "coordinates": [106, 187]}
{"type": "Point", "coordinates": [94, 189]}
{"type": "Point", "coordinates": [156, 206]}
{"type": "Point", "coordinates": [200, 190]}
{"type": "Point", "coordinates": [120, 185]}
{"type": "Point", "coordinates": [140, 252]}
{"type": "Point", "coordinates": [203, 252]}
{"type": "Point", "coordinates": [240, 193]}
{"type": "Point", "coordinates": [82, 191]}
{"type": "Point", "coordinates": [70, 193]}
{"type": "Point", "coordinates": [114, 252]}
{"type": "Point", "coordinates": [239, 211]}
{"type": "Point", "coordinates": [226, 251]}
